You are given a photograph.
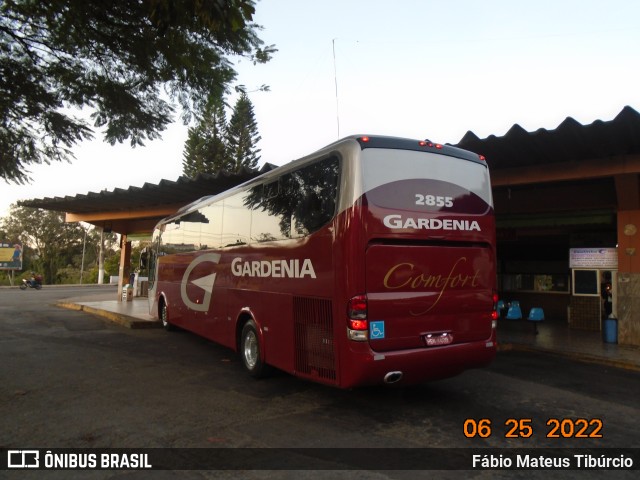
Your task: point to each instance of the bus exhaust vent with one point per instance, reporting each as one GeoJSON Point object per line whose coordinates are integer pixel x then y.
{"type": "Point", "coordinates": [314, 346]}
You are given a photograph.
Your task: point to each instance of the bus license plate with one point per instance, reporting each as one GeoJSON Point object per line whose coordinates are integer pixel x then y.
{"type": "Point", "coordinates": [437, 339]}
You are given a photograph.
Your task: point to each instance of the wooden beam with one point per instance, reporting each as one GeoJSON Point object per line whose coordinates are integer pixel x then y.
{"type": "Point", "coordinates": [158, 212]}
{"type": "Point", "coordinates": [129, 227]}
{"type": "Point", "coordinates": [575, 170]}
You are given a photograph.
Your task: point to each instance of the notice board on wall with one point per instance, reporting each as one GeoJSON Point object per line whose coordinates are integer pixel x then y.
{"type": "Point", "coordinates": [600, 258]}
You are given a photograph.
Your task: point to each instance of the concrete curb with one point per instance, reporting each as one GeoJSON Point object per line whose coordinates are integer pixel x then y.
{"type": "Point", "coordinates": [576, 356]}
{"type": "Point", "coordinates": [116, 317]}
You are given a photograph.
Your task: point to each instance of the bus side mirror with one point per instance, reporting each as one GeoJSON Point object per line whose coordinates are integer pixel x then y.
{"type": "Point", "coordinates": [144, 259]}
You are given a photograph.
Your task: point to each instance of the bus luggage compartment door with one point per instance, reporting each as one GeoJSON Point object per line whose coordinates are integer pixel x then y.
{"type": "Point", "coordinates": [422, 296]}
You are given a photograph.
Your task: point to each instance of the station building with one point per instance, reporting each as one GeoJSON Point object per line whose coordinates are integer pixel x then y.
{"type": "Point", "coordinates": [567, 204]}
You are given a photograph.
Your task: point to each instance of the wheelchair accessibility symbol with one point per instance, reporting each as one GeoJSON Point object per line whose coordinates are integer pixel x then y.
{"type": "Point", "coordinates": [376, 330]}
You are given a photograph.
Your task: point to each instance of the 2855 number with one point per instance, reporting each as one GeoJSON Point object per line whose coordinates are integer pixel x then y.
{"type": "Point", "coordinates": [434, 200]}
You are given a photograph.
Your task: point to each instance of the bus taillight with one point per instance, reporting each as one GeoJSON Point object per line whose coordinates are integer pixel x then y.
{"type": "Point", "coordinates": [494, 314]}
{"type": "Point", "coordinates": [357, 314]}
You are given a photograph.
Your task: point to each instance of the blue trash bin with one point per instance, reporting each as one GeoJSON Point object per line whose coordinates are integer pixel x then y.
{"type": "Point", "coordinates": [610, 330]}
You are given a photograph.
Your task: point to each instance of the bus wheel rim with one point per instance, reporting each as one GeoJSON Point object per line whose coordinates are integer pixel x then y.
{"type": "Point", "coordinates": [164, 316]}
{"type": "Point", "coordinates": [251, 349]}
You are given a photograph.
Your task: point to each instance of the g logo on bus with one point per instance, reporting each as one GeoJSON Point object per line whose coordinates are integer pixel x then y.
{"type": "Point", "coordinates": [205, 283]}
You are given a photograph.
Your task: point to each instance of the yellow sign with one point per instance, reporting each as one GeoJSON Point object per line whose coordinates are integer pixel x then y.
{"type": "Point", "coordinates": [10, 256]}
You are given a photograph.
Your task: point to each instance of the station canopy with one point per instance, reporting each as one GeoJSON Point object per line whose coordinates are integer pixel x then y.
{"type": "Point", "coordinates": [569, 142]}
{"type": "Point", "coordinates": [135, 210]}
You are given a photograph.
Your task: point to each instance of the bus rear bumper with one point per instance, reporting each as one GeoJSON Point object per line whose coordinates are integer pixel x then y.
{"type": "Point", "coordinates": [409, 367]}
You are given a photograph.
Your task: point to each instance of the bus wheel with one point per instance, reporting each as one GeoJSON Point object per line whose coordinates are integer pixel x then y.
{"type": "Point", "coordinates": [164, 316]}
{"type": "Point", "coordinates": [250, 350]}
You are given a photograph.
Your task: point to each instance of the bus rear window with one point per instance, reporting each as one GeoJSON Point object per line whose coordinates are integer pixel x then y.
{"type": "Point", "coordinates": [405, 180]}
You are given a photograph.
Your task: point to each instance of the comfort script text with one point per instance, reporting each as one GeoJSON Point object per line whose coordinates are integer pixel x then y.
{"type": "Point", "coordinates": [406, 275]}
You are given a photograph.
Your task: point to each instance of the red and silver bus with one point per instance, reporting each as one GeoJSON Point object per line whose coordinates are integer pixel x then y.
{"type": "Point", "coordinates": [370, 261]}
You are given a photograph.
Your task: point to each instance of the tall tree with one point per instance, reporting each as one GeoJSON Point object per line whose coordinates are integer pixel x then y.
{"type": "Point", "coordinates": [52, 241]}
{"type": "Point", "coordinates": [205, 150]}
{"type": "Point", "coordinates": [242, 135]}
{"type": "Point", "coordinates": [117, 58]}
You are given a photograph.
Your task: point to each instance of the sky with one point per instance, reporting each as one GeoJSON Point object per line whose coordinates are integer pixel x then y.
{"type": "Point", "coordinates": [413, 68]}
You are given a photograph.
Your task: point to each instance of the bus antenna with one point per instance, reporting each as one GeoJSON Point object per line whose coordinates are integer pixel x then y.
{"type": "Point", "coordinates": [335, 78]}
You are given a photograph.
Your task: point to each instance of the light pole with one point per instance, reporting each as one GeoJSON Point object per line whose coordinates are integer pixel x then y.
{"type": "Point", "coordinates": [84, 244]}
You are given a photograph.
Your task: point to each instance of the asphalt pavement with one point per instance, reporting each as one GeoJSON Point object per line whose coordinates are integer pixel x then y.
{"type": "Point", "coordinates": [552, 337]}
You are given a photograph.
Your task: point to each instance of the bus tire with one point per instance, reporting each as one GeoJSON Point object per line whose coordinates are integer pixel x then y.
{"type": "Point", "coordinates": [250, 351]}
{"type": "Point", "coordinates": [164, 316]}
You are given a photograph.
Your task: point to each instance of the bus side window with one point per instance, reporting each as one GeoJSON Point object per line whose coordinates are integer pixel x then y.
{"type": "Point", "coordinates": [172, 237]}
{"type": "Point", "coordinates": [236, 221]}
{"type": "Point", "coordinates": [211, 232]}
{"type": "Point", "coordinates": [271, 190]}
{"type": "Point", "coordinates": [266, 223]}
{"type": "Point", "coordinates": [270, 217]}
{"type": "Point", "coordinates": [190, 226]}
{"type": "Point", "coordinates": [312, 192]}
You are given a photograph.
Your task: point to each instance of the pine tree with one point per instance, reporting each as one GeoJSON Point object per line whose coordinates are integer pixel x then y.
{"type": "Point", "coordinates": [242, 136]}
{"type": "Point", "coordinates": [205, 150]}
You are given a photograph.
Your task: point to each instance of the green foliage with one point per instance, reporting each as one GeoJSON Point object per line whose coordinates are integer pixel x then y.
{"type": "Point", "coordinates": [117, 58]}
{"type": "Point", "coordinates": [112, 264]}
{"type": "Point", "coordinates": [50, 242]}
{"type": "Point", "coordinates": [51, 246]}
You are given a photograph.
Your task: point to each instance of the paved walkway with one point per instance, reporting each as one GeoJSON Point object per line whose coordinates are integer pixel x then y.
{"type": "Point", "coordinates": [132, 314]}
{"type": "Point", "coordinates": [558, 339]}
{"type": "Point", "coordinates": [554, 338]}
